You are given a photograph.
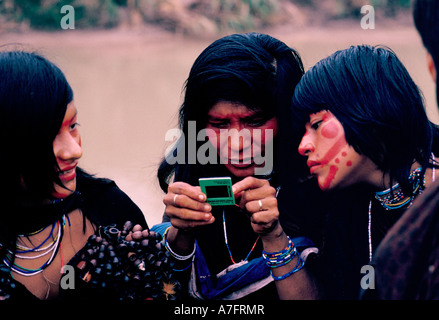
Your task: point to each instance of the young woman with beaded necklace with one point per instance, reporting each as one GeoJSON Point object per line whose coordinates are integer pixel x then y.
{"type": "Point", "coordinates": [50, 206]}
{"type": "Point", "coordinates": [367, 135]}
{"type": "Point", "coordinates": [239, 82]}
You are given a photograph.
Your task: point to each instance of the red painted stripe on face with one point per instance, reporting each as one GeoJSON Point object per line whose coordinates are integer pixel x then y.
{"type": "Point", "coordinates": [331, 175]}
{"type": "Point", "coordinates": [336, 148]}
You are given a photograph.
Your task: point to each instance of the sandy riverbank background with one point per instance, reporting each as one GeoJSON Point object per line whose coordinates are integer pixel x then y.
{"type": "Point", "coordinates": [128, 86]}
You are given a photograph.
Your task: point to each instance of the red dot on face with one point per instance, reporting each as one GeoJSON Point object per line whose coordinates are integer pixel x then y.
{"type": "Point", "coordinates": [337, 160]}
{"type": "Point", "coordinates": [330, 130]}
{"type": "Point", "coordinates": [349, 163]}
{"type": "Point", "coordinates": [344, 154]}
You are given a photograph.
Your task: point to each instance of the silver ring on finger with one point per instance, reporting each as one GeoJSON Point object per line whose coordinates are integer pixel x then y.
{"type": "Point", "coordinates": [174, 200]}
{"type": "Point", "coordinates": [260, 205]}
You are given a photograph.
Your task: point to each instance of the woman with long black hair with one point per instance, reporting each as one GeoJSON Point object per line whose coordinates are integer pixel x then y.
{"type": "Point", "coordinates": [50, 206]}
{"type": "Point", "coordinates": [234, 119]}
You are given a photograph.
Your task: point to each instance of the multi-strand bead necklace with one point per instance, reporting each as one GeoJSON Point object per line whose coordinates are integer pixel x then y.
{"type": "Point", "coordinates": [394, 198]}
{"type": "Point", "coordinates": [50, 245]}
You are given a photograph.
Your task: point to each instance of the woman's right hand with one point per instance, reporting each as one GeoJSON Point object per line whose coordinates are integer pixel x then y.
{"type": "Point", "coordinates": [186, 206]}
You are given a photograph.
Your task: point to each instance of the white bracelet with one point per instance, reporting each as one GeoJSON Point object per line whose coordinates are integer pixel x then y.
{"type": "Point", "coordinates": [175, 255]}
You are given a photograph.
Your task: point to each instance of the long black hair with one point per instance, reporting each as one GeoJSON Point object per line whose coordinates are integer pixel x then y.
{"type": "Point", "coordinates": [252, 69]}
{"type": "Point", "coordinates": [34, 95]}
{"type": "Point", "coordinates": [381, 109]}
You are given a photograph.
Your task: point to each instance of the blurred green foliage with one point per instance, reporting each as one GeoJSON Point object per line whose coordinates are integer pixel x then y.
{"type": "Point", "coordinates": [188, 16]}
{"type": "Point", "coordinates": [45, 14]}
{"type": "Point", "coordinates": [391, 6]}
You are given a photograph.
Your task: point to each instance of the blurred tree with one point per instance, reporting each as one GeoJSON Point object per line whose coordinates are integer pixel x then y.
{"type": "Point", "coordinates": [188, 16]}
{"type": "Point", "coordinates": [391, 7]}
{"type": "Point", "coordinates": [45, 14]}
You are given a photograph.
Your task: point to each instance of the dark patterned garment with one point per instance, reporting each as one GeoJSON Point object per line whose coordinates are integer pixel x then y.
{"type": "Point", "coordinates": [407, 260]}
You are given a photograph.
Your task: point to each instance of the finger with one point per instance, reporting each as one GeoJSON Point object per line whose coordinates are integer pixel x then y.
{"type": "Point", "coordinates": [265, 219]}
{"type": "Point", "coordinates": [263, 192]}
{"type": "Point", "coordinates": [181, 194]}
{"type": "Point", "coordinates": [261, 205]}
{"type": "Point", "coordinates": [183, 201]}
{"type": "Point", "coordinates": [248, 183]}
{"type": "Point", "coordinates": [193, 192]}
{"type": "Point", "coordinates": [190, 224]}
{"type": "Point", "coordinates": [187, 214]}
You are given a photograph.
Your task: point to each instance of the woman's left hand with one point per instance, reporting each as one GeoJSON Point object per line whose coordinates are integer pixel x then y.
{"type": "Point", "coordinates": [258, 198]}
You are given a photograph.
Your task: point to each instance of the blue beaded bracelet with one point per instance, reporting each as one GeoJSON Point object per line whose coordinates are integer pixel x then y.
{"type": "Point", "coordinates": [280, 258]}
{"type": "Point", "coordinates": [299, 265]}
{"type": "Point", "coordinates": [283, 257]}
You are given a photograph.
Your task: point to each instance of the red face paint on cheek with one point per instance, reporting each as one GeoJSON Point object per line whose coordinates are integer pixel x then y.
{"type": "Point", "coordinates": [334, 150]}
{"type": "Point", "coordinates": [330, 130]}
{"type": "Point", "coordinates": [349, 163]}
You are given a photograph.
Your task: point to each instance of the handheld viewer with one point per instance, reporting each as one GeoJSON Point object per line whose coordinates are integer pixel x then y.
{"type": "Point", "coordinates": [218, 191]}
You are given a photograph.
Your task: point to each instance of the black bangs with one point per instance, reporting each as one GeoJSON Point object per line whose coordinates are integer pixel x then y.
{"type": "Point", "coordinates": [371, 93]}
{"type": "Point", "coordinates": [251, 69]}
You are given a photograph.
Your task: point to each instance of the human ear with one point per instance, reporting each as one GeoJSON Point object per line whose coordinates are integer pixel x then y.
{"type": "Point", "coordinates": [431, 67]}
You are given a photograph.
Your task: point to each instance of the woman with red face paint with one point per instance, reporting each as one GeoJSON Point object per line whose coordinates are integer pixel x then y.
{"type": "Point", "coordinates": [238, 95]}
{"type": "Point", "coordinates": [50, 207]}
{"type": "Point", "coordinates": [369, 143]}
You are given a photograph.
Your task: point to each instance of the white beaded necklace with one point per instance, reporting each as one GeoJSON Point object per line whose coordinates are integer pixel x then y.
{"type": "Point", "coordinates": [51, 249]}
